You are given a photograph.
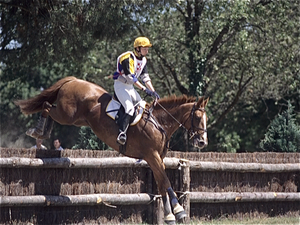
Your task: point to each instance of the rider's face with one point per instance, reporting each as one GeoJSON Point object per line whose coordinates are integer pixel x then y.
{"type": "Point", "coordinates": [144, 51]}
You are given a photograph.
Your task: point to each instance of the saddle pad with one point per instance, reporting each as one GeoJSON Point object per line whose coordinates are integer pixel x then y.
{"type": "Point", "coordinates": [114, 106]}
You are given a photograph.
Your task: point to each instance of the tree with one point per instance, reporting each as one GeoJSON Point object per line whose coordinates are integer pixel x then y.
{"type": "Point", "coordinates": [88, 140]}
{"type": "Point", "coordinates": [42, 42]}
{"type": "Point", "coordinates": [235, 53]}
{"type": "Point", "coordinates": [242, 54]}
{"type": "Point", "coordinates": [283, 134]}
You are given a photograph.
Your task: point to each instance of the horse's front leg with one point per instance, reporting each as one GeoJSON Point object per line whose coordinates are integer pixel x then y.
{"type": "Point", "coordinates": [164, 187]}
{"type": "Point", "coordinates": [168, 215]}
{"type": "Point", "coordinates": [177, 208]}
{"type": "Point", "coordinates": [39, 131]}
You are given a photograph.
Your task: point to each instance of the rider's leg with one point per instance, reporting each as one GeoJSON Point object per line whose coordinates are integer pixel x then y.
{"type": "Point", "coordinates": [122, 137]}
{"type": "Point", "coordinates": [129, 111]}
{"type": "Point", "coordinates": [124, 93]}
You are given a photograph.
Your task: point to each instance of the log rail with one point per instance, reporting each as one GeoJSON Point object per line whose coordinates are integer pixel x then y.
{"type": "Point", "coordinates": [185, 166]}
{"type": "Point", "coordinates": [142, 198]}
{"type": "Point", "coordinates": [171, 163]}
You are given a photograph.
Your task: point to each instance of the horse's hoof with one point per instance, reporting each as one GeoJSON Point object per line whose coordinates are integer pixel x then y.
{"type": "Point", "coordinates": [47, 135]}
{"type": "Point", "coordinates": [170, 222]}
{"type": "Point", "coordinates": [170, 219]}
{"type": "Point", "coordinates": [180, 215]}
{"type": "Point", "coordinates": [44, 137]}
{"type": "Point", "coordinates": [32, 132]}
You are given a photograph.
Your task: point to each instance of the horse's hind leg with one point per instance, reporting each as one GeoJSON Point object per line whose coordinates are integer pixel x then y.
{"type": "Point", "coordinates": [49, 127]}
{"type": "Point", "coordinates": [39, 131]}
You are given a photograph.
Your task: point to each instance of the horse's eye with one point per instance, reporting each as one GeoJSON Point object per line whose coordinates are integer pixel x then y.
{"type": "Point", "coordinates": [197, 118]}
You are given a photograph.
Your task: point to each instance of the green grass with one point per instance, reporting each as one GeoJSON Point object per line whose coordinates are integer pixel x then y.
{"type": "Point", "coordinates": [268, 220]}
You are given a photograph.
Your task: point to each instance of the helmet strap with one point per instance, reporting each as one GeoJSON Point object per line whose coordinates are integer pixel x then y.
{"type": "Point", "coordinates": [138, 51]}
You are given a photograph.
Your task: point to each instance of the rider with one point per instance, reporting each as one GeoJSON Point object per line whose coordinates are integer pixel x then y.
{"type": "Point", "coordinates": [130, 67]}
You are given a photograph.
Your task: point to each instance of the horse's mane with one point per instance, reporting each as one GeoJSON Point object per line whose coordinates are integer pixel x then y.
{"type": "Point", "coordinates": [174, 101]}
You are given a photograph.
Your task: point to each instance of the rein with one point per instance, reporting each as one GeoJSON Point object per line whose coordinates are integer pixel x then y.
{"type": "Point", "coordinates": [190, 131]}
{"type": "Point", "coordinates": [180, 124]}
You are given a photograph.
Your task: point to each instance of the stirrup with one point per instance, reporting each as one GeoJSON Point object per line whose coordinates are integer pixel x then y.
{"type": "Point", "coordinates": [121, 139]}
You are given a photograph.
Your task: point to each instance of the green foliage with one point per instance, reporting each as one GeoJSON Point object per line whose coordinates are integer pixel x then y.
{"type": "Point", "coordinates": [244, 55]}
{"type": "Point", "coordinates": [229, 142]}
{"type": "Point", "coordinates": [88, 140]}
{"type": "Point", "coordinates": [283, 134]}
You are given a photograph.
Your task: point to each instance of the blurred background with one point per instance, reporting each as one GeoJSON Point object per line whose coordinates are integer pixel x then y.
{"type": "Point", "coordinates": [243, 55]}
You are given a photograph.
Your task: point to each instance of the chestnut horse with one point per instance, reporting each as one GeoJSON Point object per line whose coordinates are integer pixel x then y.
{"type": "Point", "coordinates": [82, 103]}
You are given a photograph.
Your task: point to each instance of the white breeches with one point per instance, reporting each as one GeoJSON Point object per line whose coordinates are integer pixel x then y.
{"type": "Point", "coordinates": [127, 95]}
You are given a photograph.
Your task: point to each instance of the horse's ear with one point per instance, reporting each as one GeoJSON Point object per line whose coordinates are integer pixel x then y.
{"type": "Point", "coordinates": [205, 102]}
{"type": "Point", "coordinates": [202, 102]}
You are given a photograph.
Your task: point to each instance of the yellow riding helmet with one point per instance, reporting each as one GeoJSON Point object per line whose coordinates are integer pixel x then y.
{"type": "Point", "coordinates": [142, 42]}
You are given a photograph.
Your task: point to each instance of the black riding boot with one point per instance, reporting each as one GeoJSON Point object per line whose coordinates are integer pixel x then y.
{"type": "Point", "coordinates": [121, 139]}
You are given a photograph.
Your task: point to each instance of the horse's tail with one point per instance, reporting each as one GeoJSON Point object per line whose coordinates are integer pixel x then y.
{"type": "Point", "coordinates": [35, 104]}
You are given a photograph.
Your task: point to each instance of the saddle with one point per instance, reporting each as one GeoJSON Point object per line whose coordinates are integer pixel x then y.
{"type": "Point", "coordinates": [115, 110]}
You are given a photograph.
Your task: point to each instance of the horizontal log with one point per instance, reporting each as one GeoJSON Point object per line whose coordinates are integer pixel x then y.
{"type": "Point", "coordinates": [68, 200]}
{"type": "Point", "coordinates": [171, 163]}
{"type": "Point", "coordinates": [143, 198]}
{"type": "Point", "coordinates": [222, 197]}
{"type": "Point", "coordinates": [70, 162]}
{"type": "Point", "coordinates": [16, 162]}
{"type": "Point", "coordinates": [245, 167]}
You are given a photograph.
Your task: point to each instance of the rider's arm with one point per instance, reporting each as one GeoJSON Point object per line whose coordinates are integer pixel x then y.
{"type": "Point", "coordinates": [128, 70]}
{"type": "Point", "coordinates": [146, 79]}
{"type": "Point", "coordinates": [140, 86]}
{"type": "Point", "coordinates": [149, 85]}
{"type": "Point", "coordinates": [128, 66]}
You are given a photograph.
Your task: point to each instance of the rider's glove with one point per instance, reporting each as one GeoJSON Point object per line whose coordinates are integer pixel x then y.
{"type": "Point", "coordinates": [151, 93]}
{"type": "Point", "coordinates": [156, 95]}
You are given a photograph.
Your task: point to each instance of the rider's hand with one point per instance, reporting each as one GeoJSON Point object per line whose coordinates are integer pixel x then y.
{"type": "Point", "coordinates": [156, 95]}
{"type": "Point", "coordinates": [151, 93]}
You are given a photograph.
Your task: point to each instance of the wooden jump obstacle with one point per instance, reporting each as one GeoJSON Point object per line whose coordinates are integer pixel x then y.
{"type": "Point", "coordinates": [111, 200]}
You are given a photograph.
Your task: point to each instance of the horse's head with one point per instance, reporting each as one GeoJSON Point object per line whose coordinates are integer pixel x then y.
{"type": "Point", "coordinates": [198, 129]}
{"type": "Point", "coordinates": [186, 113]}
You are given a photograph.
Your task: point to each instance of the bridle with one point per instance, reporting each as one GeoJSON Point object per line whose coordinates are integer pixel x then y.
{"type": "Point", "coordinates": [190, 131]}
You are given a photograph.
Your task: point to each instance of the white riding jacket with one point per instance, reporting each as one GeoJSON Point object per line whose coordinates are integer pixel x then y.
{"type": "Point", "coordinates": [129, 69]}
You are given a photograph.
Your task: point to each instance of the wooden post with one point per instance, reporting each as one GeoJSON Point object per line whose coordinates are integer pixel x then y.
{"type": "Point", "coordinates": [150, 207]}
{"type": "Point", "coordinates": [185, 187]}
{"type": "Point", "coordinates": [158, 211]}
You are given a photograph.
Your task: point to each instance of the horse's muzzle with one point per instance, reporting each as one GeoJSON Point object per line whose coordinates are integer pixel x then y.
{"type": "Point", "coordinates": [199, 142]}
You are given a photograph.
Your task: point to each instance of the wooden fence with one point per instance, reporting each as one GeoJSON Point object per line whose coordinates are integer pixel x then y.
{"type": "Point", "coordinates": [279, 185]}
